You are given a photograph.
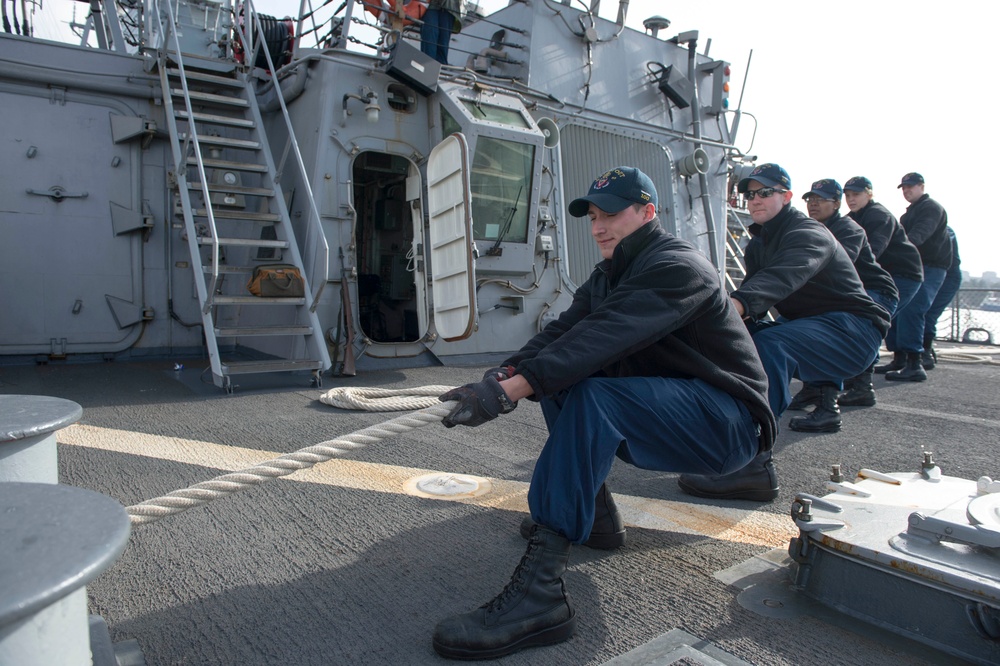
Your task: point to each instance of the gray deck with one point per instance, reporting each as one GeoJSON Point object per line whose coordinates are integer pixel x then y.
{"type": "Point", "coordinates": [338, 565]}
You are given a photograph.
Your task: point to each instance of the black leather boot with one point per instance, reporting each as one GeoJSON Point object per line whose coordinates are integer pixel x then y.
{"type": "Point", "coordinates": [808, 395]}
{"type": "Point", "coordinates": [860, 391]}
{"type": "Point", "coordinates": [533, 609]}
{"type": "Point", "coordinates": [757, 482]}
{"type": "Point", "coordinates": [898, 362]}
{"type": "Point", "coordinates": [826, 416]}
{"type": "Point", "coordinates": [608, 531]}
{"type": "Point", "coordinates": [913, 372]}
{"type": "Point", "coordinates": [929, 357]}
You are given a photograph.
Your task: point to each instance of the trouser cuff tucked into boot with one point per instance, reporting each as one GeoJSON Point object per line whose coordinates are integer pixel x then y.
{"type": "Point", "coordinates": [860, 391]}
{"type": "Point", "coordinates": [898, 362]}
{"type": "Point", "coordinates": [533, 609]}
{"type": "Point", "coordinates": [608, 531]}
{"type": "Point", "coordinates": [826, 416]}
{"type": "Point", "coordinates": [912, 372]}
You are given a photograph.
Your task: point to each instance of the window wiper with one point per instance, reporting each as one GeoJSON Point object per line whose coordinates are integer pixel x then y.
{"type": "Point", "coordinates": [495, 250]}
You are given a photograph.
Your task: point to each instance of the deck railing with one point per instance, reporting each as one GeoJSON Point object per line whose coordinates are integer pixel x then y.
{"type": "Point", "coordinates": [971, 317]}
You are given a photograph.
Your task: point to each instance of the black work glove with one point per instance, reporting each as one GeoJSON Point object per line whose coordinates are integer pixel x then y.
{"type": "Point", "coordinates": [501, 373]}
{"type": "Point", "coordinates": [477, 403]}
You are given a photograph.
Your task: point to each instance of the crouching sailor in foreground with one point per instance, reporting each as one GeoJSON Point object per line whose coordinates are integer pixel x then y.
{"type": "Point", "coordinates": [651, 364]}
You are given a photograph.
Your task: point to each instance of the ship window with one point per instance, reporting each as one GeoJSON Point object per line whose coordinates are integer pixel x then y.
{"type": "Point", "coordinates": [496, 114]}
{"type": "Point", "coordinates": [448, 123]}
{"type": "Point", "coordinates": [501, 181]}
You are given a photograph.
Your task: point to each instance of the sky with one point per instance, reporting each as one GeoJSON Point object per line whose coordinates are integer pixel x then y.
{"type": "Point", "coordinates": [874, 88]}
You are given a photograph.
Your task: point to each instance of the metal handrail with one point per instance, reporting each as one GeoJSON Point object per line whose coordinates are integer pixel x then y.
{"type": "Point", "coordinates": [316, 225]}
{"type": "Point", "coordinates": [191, 138]}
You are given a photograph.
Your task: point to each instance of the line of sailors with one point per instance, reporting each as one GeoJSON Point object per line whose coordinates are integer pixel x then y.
{"type": "Point", "coordinates": [840, 285]}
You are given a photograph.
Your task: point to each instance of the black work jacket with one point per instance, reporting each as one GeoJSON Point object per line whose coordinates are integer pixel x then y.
{"type": "Point", "coordinates": [892, 249]}
{"type": "Point", "coordinates": [853, 239]}
{"type": "Point", "coordinates": [655, 309]}
{"type": "Point", "coordinates": [926, 224]}
{"type": "Point", "coordinates": [795, 265]}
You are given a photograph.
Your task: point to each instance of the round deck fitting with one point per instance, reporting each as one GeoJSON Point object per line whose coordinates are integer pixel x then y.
{"type": "Point", "coordinates": [442, 485]}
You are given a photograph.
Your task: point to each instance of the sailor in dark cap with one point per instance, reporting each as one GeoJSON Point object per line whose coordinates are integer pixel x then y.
{"type": "Point", "coordinates": [829, 327]}
{"type": "Point", "coordinates": [650, 364]}
{"type": "Point", "coordinates": [823, 203]}
{"type": "Point", "coordinates": [926, 225]}
{"type": "Point", "coordinates": [896, 254]}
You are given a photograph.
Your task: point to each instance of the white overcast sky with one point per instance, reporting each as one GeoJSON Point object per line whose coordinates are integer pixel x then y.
{"type": "Point", "coordinates": [874, 88]}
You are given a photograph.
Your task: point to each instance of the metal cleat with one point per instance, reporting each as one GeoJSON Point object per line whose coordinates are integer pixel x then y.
{"type": "Point", "coordinates": [820, 503]}
{"type": "Point", "coordinates": [848, 488]}
{"type": "Point", "coordinates": [878, 476]}
{"type": "Point", "coordinates": [929, 469]}
{"type": "Point", "coordinates": [807, 521]}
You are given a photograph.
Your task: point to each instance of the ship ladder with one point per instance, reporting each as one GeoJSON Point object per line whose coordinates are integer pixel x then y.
{"type": "Point", "coordinates": [736, 232]}
{"type": "Point", "coordinates": [226, 188]}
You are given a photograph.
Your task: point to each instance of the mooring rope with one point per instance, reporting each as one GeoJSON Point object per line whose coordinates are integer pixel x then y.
{"type": "Point", "coordinates": [957, 355]}
{"type": "Point", "coordinates": [383, 400]}
{"type": "Point", "coordinates": [221, 486]}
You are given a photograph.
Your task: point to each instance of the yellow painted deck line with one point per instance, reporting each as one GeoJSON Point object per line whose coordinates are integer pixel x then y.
{"type": "Point", "coordinates": [724, 523]}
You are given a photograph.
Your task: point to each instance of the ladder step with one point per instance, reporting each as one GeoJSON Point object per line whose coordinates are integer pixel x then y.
{"type": "Point", "coordinates": [205, 77]}
{"type": "Point", "coordinates": [246, 242]}
{"type": "Point", "coordinates": [239, 215]}
{"type": "Point", "coordinates": [198, 63]}
{"type": "Point", "coordinates": [229, 269]}
{"type": "Point", "coordinates": [233, 189]}
{"type": "Point", "coordinates": [249, 367]}
{"type": "Point", "coordinates": [211, 98]}
{"type": "Point", "coordinates": [256, 300]}
{"type": "Point", "coordinates": [227, 164]}
{"type": "Point", "coordinates": [238, 331]}
{"type": "Point", "coordinates": [213, 119]}
{"type": "Point", "coordinates": [210, 140]}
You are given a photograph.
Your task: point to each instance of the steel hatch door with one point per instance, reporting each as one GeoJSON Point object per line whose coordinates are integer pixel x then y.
{"type": "Point", "coordinates": [449, 205]}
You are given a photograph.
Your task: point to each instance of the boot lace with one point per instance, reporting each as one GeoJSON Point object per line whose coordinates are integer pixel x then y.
{"type": "Point", "coordinates": [516, 584]}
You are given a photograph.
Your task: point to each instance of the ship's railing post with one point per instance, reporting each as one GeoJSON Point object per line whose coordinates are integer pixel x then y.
{"type": "Point", "coordinates": [318, 268]}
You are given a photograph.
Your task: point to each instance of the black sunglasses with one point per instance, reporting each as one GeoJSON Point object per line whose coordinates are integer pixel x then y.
{"type": "Point", "coordinates": [763, 193]}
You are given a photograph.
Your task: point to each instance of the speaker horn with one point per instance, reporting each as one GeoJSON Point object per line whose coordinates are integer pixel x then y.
{"type": "Point", "coordinates": [693, 164]}
{"type": "Point", "coordinates": [551, 132]}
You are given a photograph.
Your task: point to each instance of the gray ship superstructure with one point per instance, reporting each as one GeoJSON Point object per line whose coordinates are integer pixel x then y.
{"type": "Point", "coordinates": [424, 205]}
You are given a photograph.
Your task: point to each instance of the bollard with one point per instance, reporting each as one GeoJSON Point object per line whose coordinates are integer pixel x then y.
{"type": "Point", "coordinates": [54, 539]}
{"type": "Point", "coordinates": [28, 425]}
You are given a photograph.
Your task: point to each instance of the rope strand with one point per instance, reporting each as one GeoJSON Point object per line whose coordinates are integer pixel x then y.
{"type": "Point", "coordinates": [380, 400]}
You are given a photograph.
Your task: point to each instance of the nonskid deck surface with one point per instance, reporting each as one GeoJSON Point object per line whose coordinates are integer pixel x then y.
{"type": "Point", "coordinates": [340, 564]}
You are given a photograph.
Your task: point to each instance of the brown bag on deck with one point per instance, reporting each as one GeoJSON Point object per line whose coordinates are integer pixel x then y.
{"type": "Point", "coordinates": [276, 281]}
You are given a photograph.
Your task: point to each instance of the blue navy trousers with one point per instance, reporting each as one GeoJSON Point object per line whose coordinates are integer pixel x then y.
{"type": "Point", "coordinates": [907, 288]}
{"type": "Point", "coordinates": [656, 423]}
{"type": "Point", "coordinates": [435, 34]}
{"type": "Point", "coordinates": [907, 332]}
{"type": "Point", "coordinates": [952, 283]}
{"type": "Point", "coordinates": [822, 349]}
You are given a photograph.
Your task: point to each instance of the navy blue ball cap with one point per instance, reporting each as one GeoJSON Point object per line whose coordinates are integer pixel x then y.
{"type": "Point", "coordinates": [768, 175]}
{"type": "Point", "coordinates": [857, 184]}
{"type": "Point", "coordinates": [827, 188]}
{"type": "Point", "coordinates": [615, 191]}
{"type": "Point", "coordinates": [912, 178]}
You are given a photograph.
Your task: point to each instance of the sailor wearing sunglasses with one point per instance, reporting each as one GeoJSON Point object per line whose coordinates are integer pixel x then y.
{"type": "Point", "coordinates": [828, 327]}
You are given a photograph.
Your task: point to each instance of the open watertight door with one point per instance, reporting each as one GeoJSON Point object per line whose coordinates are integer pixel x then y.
{"type": "Point", "coordinates": [449, 205]}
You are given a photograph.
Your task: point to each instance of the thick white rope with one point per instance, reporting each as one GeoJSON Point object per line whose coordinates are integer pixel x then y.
{"type": "Point", "coordinates": [227, 484]}
{"type": "Point", "coordinates": [383, 400]}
